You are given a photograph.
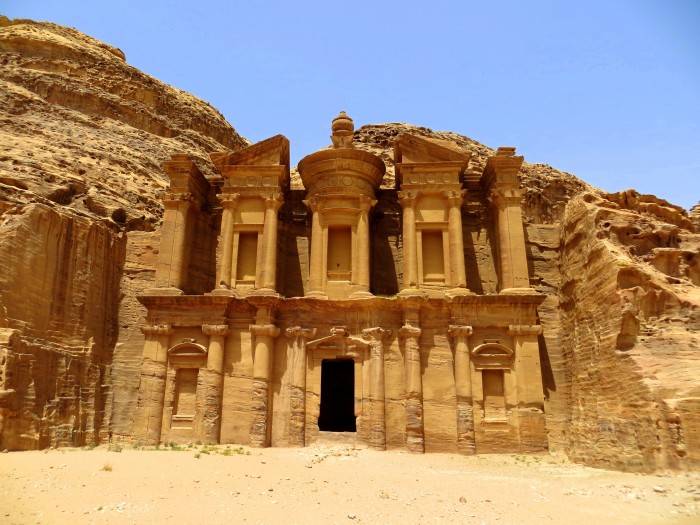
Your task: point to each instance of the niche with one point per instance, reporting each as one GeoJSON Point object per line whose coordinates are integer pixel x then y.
{"type": "Point", "coordinates": [494, 395]}
{"type": "Point", "coordinates": [339, 262]}
{"type": "Point", "coordinates": [433, 257]}
{"type": "Point", "coordinates": [247, 258]}
{"type": "Point", "coordinates": [185, 392]}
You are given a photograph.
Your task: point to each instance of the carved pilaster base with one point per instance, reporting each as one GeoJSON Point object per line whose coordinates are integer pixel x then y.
{"type": "Point", "coordinates": [259, 409]}
{"type": "Point", "coordinates": [465, 427]}
{"type": "Point", "coordinates": [415, 441]}
{"type": "Point", "coordinates": [298, 417]}
{"type": "Point", "coordinates": [458, 292]}
{"type": "Point", "coordinates": [377, 429]}
{"type": "Point", "coordinates": [231, 292]}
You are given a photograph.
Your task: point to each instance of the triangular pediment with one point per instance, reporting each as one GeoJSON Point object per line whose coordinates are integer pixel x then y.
{"type": "Point", "coordinates": [414, 149]}
{"type": "Point", "coordinates": [269, 152]}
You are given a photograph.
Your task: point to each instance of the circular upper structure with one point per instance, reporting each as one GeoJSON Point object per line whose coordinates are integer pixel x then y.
{"type": "Point", "coordinates": [341, 169]}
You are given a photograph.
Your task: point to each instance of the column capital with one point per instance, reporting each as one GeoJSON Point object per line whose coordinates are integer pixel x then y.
{"type": "Point", "coordinates": [366, 202]}
{"type": "Point", "coordinates": [407, 198]}
{"type": "Point", "coordinates": [505, 196]}
{"type": "Point", "coordinates": [525, 330]}
{"type": "Point", "coordinates": [268, 330]}
{"type": "Point", "coordinates": [314, 203]}
{"type": "Point", "coordinates": [273, 200]}
{"type": "Point", "coordinates": [375, 334]}
{"type": "Point", "coordinates": [460, 330]}
{"type": "Point", "coordinates": [157, 329]}
{"type": "Point", "coordinates": [454, 197]}
{"type": "Point", "coordinates": [177, 199]}
{"type": "Point", "coordinates": [229, 200]}
{"type": "Point", "coordinates": [215, 329]}
{"type": "Point", "coordinates": [297, 331]}
{"type": "Point", "coordinates": [410, 332]}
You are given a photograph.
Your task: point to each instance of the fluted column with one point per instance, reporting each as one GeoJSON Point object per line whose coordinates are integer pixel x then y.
{"type": "Point", "coordinates": [375, 336]}
{"type": "Point", "coordinates": [511, 240]}
{"type": "Point", "coordinates": [224, 279]}
{"type": "Point", "coordinates": [458, 274]}
{"type": "Point", "coordinates": [173, 256]}
{"type": "Point", "coordinates": [211, 419]}
{"type": "Point", "coordinates": [262, 365]}
{"type": "Point", "coordinates": [410, 261]}
{"type": "Point", "coordinates": [463, 384]}
{"type": "Point", "coordinates": [148, 418]}
{"type": "Point", "coordinates": [269, 267]}
{"type": "Point", "coordinates": [414, 389]}
{"type": "Point", "coordinates": [363, 243]}
{"type": "Point", "coordinates": [297, 365]}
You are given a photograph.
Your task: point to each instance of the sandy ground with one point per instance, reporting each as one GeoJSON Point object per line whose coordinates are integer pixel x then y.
{"type": "Point", "coordinates": [329, 484]}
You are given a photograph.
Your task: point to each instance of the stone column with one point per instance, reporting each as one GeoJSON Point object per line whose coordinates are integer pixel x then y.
{"type": "Point", "coordinates": [269, 267]}
{"type": "Point", "coordinates": [211, 419]}
{"type": "Point", "coordinates": [316, 262]}
{"type": "Point", "coordinates": [224, 279]}
{"type": "Point", "coordinates": [148, 419]}
{"type": "Point", "coordinates": [458, 274]}
{"type": "Point", "coordinates": [511, 240]}
{"type": "Point", "coordinates": [377, 432]}
{"type": "Point", "coordinates": [463, 384]}
{"type": "Point", "coordinates": [262, 365]}
{"type": "Point", "coordinates": [410, 261]}
{"type": "Point", "coordinates": [297, 366]}
{"type": "Point", "coordinates": [528, 384]}
{"type": "Point", "coordinates": [363, 243]}
{"type": "Point", "coordinates": [173, 257]}
{"type": "Point", "coordinates": [414, 388]}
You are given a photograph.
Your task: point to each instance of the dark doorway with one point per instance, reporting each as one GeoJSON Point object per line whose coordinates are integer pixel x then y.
{"type": "Point", "coordinates": [337, 396]}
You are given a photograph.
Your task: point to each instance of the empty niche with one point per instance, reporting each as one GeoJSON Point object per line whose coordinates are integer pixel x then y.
{"type": "Point", "coordinates": [494, 398]}
{"type": "Point", "coordinates": [247, 257]}
{"type": "Point", "coordinates": [186, 392]}
{"type": "Point", "coordinates": [339, 254]}
{"type": "Point", "coordinates": [433, 257]}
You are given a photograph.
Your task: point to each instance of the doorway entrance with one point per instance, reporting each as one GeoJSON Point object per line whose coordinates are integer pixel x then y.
{"type": "Point", "coordinates": [337, 412]}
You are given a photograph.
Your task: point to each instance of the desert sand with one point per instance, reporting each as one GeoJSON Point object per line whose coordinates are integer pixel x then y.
{"type": "Point", "coordinates": [329, 484]}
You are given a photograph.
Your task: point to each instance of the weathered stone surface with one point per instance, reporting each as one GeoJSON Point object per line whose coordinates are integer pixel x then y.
{"type": "Point", "coordinates": [83, 138]}
{"type": "Point", "coordinates": [83, 135]}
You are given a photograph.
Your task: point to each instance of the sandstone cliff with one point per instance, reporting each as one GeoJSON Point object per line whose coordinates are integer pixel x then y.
{"type": "Point", "coordinates": [83, 136]}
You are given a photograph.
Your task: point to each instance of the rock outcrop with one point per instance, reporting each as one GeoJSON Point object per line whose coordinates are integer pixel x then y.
{"type": "Point", "coordinates": [83, 138]}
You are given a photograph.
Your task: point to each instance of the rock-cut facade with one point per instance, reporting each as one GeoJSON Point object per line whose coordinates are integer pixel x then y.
{"type": "Point", "coordinates": [346, 310]}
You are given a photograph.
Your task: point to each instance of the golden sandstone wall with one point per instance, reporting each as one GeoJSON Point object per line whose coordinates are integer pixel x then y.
{"type": "Point", "coordinates": [83, 137]}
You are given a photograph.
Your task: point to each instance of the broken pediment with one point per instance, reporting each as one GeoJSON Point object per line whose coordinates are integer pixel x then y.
{"type": "Point", "coordinates": [187, 349]}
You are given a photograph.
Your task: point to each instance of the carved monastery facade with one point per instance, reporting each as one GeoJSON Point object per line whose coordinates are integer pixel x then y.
{"type": "Point", "coordinates": [393, 317]}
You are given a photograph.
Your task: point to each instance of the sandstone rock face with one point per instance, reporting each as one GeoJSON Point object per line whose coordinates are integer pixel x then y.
{"type": "Point", "coordinates": [83, 136]}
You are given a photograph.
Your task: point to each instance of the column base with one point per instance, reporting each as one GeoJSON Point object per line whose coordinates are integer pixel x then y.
{"type": "Point", "coordinates": [224, 291]}
{"type": "Point", "coordinates": [361, 294]}
{"type": "Point", "coordinates": [315, 294]}
{"type": "Point", "coordinates": [518, 291]}
{"type": "Point", "coordinates": [458, 292]}
{"type": "Point", "coordinates": [167, 290]}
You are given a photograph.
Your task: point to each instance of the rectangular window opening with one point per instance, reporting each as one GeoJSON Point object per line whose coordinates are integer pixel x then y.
{"type": "Point", "coordinates": [185, 391]}
{"type": "Point", "coordinates": [494, 395]}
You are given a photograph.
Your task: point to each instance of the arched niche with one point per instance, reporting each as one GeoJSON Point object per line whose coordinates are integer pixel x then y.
{"type": "Point", "coordinates": [187, 349]}
{"type": "Point", "coordinates": [492, 355]}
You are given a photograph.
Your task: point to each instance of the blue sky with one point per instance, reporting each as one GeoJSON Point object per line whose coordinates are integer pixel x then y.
{"type": "Point", "coordinates": [606, 90]}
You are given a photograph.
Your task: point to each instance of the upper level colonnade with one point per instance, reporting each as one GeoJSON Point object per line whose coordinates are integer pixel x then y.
{"type": "Point", "coordinates": [220, 235]}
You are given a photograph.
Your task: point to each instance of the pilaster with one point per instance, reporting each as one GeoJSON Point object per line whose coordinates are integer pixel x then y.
{"type": "Point", "coordinates": [415, 441]}
{"type": "Point", "coordinates": [407, 199]}
{"type": "Point", "coordinates": [296, 361]}
{"type": "Point", "coordinates": [262, 400]}
{"type": "Point", "coordinates": [463, 385]}
{"type": "Point", "coordinates": [375, 336]}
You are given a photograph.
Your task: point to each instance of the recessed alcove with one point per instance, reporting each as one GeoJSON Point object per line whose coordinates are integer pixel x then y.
{"type": "Point", "coordinates": [337, 396]}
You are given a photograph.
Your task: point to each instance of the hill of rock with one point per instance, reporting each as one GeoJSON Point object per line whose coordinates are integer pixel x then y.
{"type": "Point", "coordinates": [83, 136]}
